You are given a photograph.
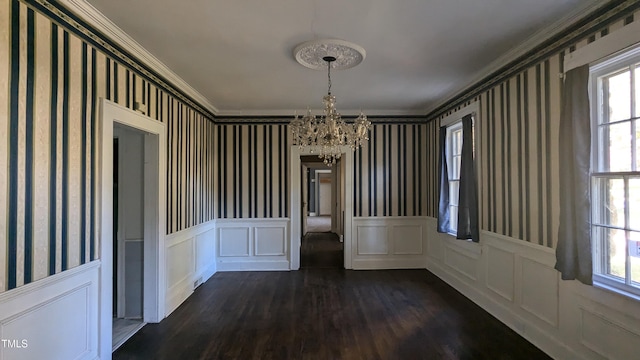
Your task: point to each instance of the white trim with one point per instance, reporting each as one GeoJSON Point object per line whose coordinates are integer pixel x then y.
{"type": "Point", "coordinates": [275, 265]}
{"type": "Point", "coordinates": [191, 232]}
{"type": "Point", "coordinates": [49, 280]}
{"type": "Point", "coordinates": [295, 202]}
{"type": "Point", "coordinates": [154, 257]}
{"type": "Point", "coordinates": [109, 29]}
{"type": "Point", "coordinates": [473, 108]}
{"type": "Point", "coordinates": [580, 11]}
{"type": "Point", "coordinates": [606, 46]}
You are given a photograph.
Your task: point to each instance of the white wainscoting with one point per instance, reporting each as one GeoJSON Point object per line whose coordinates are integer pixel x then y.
{"type": "Point", "coordinates": [253, 244]}
{"type": "Point", "coordinates": [388, 242]}
{"type": "Point", "coordinates": [53, 318]}
{"type": "Point", "coordinates": [191, 255]}
{"type": "Point", "coordinates": [516, 282]}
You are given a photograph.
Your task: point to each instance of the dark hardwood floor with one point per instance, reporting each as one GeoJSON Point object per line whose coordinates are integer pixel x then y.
{"type": "Point", "coordinates": [321, 250]}
{"type": "Point", "coordinates": [324, 313]}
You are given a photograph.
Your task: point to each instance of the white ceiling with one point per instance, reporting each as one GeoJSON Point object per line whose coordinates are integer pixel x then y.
{"type": "Point", "coordinates": [239, 54]}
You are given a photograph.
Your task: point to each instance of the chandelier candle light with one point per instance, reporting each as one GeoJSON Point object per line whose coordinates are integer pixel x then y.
{"type": "Point", "coordinates": [329, 132]}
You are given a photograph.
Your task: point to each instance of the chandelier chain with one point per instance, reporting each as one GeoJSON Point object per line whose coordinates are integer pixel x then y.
{"type": "Point", "coordinates": [329, 76]}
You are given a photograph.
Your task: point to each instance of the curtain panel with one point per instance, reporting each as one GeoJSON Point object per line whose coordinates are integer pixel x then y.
{"type": "Point", "coordinates": [573, 252]}
{"type": "Point", "coordinates": [468, 203]}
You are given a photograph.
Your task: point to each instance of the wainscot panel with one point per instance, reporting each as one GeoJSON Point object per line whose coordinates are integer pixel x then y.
{"type": "Point", "coordinates": [253, 244]}
{"type": "Point", "coordinates": [517, 283]}
{"type": "Point", "coordinates": [191, 255]}
{"type": "Point", "coordinates": [389, 242]}
{"type": "Point", "coordinates": [500, 272]}
{"type": "Point", "coordinates": [53, 318]}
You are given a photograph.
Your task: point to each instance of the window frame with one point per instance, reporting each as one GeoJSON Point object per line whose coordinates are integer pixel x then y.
{"type": "Point", "coordinates": [453, 156]}
{"type": "Point", "coordinates": [601, 169]}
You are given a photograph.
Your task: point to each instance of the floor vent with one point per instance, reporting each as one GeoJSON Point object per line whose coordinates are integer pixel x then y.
{"type": "Point", "coordinates": [197, 283]}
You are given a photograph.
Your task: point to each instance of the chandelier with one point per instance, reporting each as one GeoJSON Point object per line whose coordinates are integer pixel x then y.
{"type": "Point", "coordinates": [329, 133]}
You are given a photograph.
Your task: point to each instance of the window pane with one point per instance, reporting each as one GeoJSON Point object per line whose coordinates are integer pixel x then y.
{"type": "Point", "coordinates": [637, 114]}
{"type": "Point", "coordinates": [620, 96]}
{"type": "Point", "coordinates": [619, 147]}
{"type": "Point", "coordinates": [455, 168]}
{"type": "Point", "coordinates": [608, 202]}
{"type": "Point", "coordinates": [637, 122]}
{"type": "Point", "coordinates": [454, 192]}
{"type": "Point", "coordinates": [615, 252]}
{"type": "Point", "coordinates": [635, 260]}
{"type": "Point", "coordinates": [458, 142]}
{"type": "Point", "coordinates": [453, 219]}
{"type": "Point", "coordinates": [634, 204]}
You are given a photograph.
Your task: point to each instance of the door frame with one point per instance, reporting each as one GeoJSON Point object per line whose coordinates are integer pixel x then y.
{"type": "Point", "coordinates": [305, 197]}
{"type": "Point", "coordinates": [295, 202]}
{"type": "Point", "coordinates": [155, 144]}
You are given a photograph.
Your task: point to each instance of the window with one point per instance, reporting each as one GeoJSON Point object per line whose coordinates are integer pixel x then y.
{"type": "Point", "coordinates": [615, 176]}
{"type": "Point", "coordinates": [458, 200]}
{"type": "Point", "coordinates": [454, 155]}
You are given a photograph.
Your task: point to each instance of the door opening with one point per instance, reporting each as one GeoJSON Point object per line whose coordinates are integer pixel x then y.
{"type": "Point", "coordinates": [320, 196]}
{"type": "Point", "coordinates": [139, 248]}
{"type": "Point", "coordinates": [129, 232]}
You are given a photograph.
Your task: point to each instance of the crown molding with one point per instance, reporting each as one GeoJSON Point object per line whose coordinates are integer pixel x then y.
{"type": "Point", "coordinates": [107, 28]}
{"type": "Point", "coordinates": [536, 39]}
{"type": "Point", "coordinates": [318, 112]}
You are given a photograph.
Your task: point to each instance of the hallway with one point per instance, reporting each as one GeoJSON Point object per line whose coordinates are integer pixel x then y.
{"type": "Point", "coordinates": [321, 250]}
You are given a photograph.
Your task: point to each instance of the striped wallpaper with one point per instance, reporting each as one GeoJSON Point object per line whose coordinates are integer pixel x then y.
{"type": "Point", "coordinates": [391, 176]}
{"type": "Point", "coordinates": [392, 173]}
{"type": "Point", "coordinates": [518, 140]}
{"type": "Point", "coordinates": [51, 77]}
{"type": "Point", "coordinates": [253, 173]}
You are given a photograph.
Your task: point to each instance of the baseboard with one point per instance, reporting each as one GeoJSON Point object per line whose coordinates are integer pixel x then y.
{"type": "Point", "coordinates": [178, 293]}
{"type": "Point", "coordinates": [253, 266]}
{"type": "Point", "coordinates": [364, 264]}
{"type": "Point", "coordinates": [208, 272]}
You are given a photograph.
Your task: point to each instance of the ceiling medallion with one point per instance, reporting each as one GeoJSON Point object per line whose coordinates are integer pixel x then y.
{"type": "Point", "coordinates": [311, 54]}
{"type": "Point", "coordinates": [329, 132]}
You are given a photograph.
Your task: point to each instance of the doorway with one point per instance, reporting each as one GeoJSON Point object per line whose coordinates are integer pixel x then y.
{"type": "Point", "coordinates": [341, 199]}
{"type": "Point", "coordinates": [128, 232]}
{"type": "Point", "coordinates": [143, 242]}
{"type": "Point", "coordinates": [321, 245]}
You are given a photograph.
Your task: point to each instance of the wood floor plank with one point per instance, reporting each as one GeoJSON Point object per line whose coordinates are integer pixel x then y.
{"type": "Point", "coordinates": [328, 314]}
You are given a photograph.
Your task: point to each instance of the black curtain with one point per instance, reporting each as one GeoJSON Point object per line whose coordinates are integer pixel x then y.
{"type": "Point", "coordinates": [468, 199]}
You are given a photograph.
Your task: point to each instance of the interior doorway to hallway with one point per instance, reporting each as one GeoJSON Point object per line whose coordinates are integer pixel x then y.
{"type": "Point", "coordinates": [128, 232]}
{"type": "Point", "coordinates": [321, 208]}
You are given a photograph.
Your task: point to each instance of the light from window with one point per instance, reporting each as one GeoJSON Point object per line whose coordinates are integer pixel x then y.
{"type": "Point", "coordinates": [616, 173]}
{"type": "Point", "coordinates": [454, 155]}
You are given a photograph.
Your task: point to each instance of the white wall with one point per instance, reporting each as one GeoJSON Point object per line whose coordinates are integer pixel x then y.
{"type": "Point", "coordinates": [516, 282]}
{"type": "Point", "coordinates": [191, 255]}
{"type": "Point", "coordinates": [389, 242]}
{"type": "Point", "coordinates": [68, 304]}
{"type": "Point", "coordinates": [252, 244]}
{"type": "Point", "coordinates": [324, 194]}
{"type": "Point", "coordinates": [130, 232]}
